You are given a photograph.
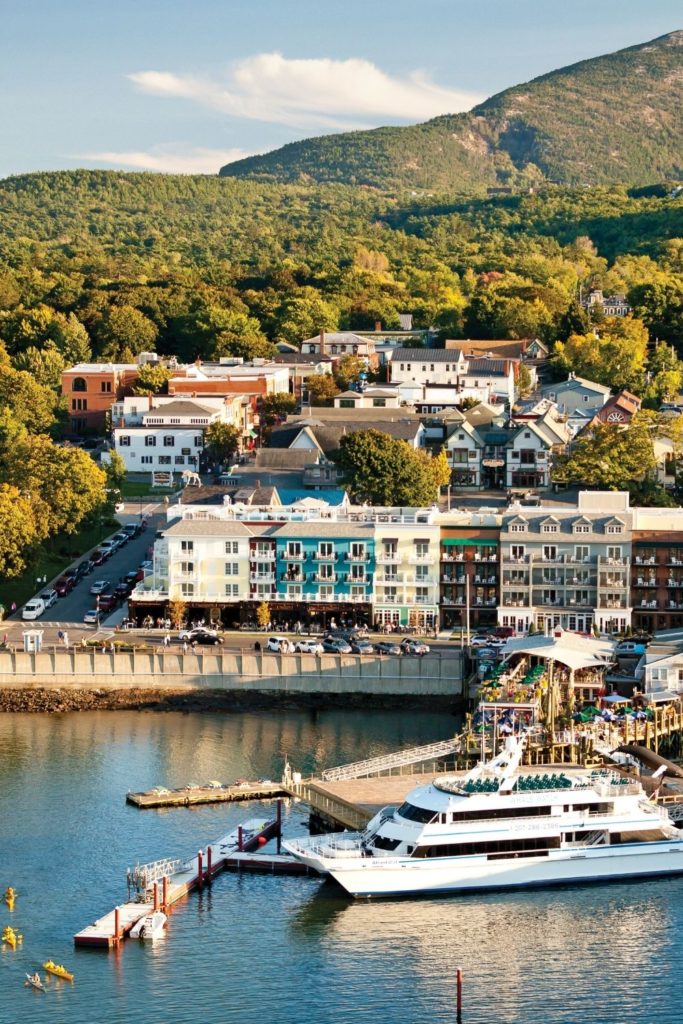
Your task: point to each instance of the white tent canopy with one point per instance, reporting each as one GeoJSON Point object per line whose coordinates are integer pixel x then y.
{"type": "Point", "coordinates": [576, 652]}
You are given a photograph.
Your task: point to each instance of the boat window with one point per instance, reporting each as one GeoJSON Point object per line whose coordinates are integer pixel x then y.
{"type": "Point", "coordinates": [413, 813]}
{"type": "Point", "coordinates": [495, 848]}
{"type": "Point", "coordinates": [385, 843]}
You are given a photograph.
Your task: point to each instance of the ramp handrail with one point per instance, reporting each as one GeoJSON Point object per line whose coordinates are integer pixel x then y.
{"type": "Point", "coordinates": [375, 765]}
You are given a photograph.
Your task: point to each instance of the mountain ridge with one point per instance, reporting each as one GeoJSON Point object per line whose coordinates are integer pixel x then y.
{"type": "Point", "coordinates": [580, 124]}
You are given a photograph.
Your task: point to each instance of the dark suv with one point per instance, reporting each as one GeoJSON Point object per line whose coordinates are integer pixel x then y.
{"type": "Point", "coordinates": [65, 585]}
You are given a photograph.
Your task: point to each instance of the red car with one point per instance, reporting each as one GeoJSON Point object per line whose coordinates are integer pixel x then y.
{"type": "Point", "coordinates": [65, 585]}
{"type": "Point", "coordinates": [108, 602]}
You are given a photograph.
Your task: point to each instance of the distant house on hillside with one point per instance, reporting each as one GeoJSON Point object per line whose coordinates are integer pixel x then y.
{"type": "Point", "coordinates": [619, 408]}
{"type": "Point", "coordinates": [499, 348]}
{"type": "Point", "coordinates": [341, 343]}
{"type": "Point", "coordinates": [576, 395]}
{"type": "Point", "coordinates": [611, 305]}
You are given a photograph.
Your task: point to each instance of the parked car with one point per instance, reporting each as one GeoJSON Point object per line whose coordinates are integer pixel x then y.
{"type": "Point", "coordinates": [108, 602]}
{"type": "Point", "coordinates": [71, 574]}
{"type": "Point", "coordinates": [122, 590]}
{"type": "Point", "coordinates": [504, 631]}
{"type": "Point", "coordinates": [92, 618]}
{"type": "Point", "coordinates": [65, 585]}
{"type": "Point", "coordinates": [49, 597]}
{"type": "Point", "coordinates": [33, 609]}
{"type": "Point", "coordinates": [361, 646]}
{"type": "Point", "coordinates": [108, 547]}
{"type": "Point", "coordinates": [497, 641]}
{"type": "Point", "coordinates": [134, 576]}
{"type": "Point", "coordinates": [84, 568]}
{"type": "Point", "coordinates": [146, 567]}
{"type": "Point", "coordinates": [480, 640]}
{"type": "Point", "coordinates": [410, 646]}
{"type": "Point", "coordinates": [132, 529]}
{"type": "Point", "coordinates": [121, 539]}
{"type": "Point", "coordinates": [206, 638]}
{"type": "Point", "coordinates": [333, 646]}
{"type": "Point", "coordinates": [191, 634]}
{"type": "Point", "coordinates": [308, 647]}
{"type": "Point", "coordinates": [388, 647]}
{"type": "Point", "coordinates": [629, 649]}
{"type": "Point", "coordinates": [100, 587]}
{"type": "Point", "coordinates": [275, 643]}
{"type": "Point", "coordinates": [99, 557]}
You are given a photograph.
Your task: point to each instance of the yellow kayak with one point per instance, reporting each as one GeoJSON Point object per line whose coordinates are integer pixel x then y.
{"type": "Point", "coordinates": [11, 937]}
{"type": "Point", "coordinates": [10, 896]}
{"type": "Point", "coordinates": [58, 970]}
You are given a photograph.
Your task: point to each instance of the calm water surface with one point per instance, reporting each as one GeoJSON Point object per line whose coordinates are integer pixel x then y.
{"type": "Point", "coordinates": [257, 950]}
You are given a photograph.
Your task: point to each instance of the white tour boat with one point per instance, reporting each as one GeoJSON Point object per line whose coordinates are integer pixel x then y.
{"type": "Point", "coordinates": [500, 826]}
{"type": "Point", "coordinates": [150, 927]}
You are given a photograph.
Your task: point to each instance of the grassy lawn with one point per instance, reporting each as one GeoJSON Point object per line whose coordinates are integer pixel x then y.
{"type": "Point", "coordinates": [52, 559]}
{"type": "Point", "coordinates": [143, 489]}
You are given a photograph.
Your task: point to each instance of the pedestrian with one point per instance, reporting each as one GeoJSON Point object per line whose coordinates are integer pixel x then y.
{"type": "Point", "coordinates": [66, 640]}
{"type": "Point", "coordinates": [112, 649]}
{"type": "Point", "coordinates": [14, 606]}
{"type": "Point", "coordinates": [257, 646]}
{"type": "Point", "coordinates": [60, 635]}
{"type": "Point", "coordinates": [184, 646]}
{"type": "Point", "coordinates": [194, 646]}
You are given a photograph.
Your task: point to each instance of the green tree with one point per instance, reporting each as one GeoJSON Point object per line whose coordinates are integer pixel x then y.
{"type": "Point", "coordinates": [610, 457]}
{"type": "Point", "coordinates": [230, 332]}
{"type": "Point", "coordinates": [115, 469]}
{"type": "Point", "coordinates": [382, 470]}
{"type": "Point", "coordinates": [31, 404]}
{"type": "Point", "coordinates": [304, 316]}
{"type": "Point", "coordinates": [524, 382]}
{"type": "Point", "coordinates": [615, 356]}
{"type": "Point", "coordinates": [125, 329]}
{"type": "Point", "coordinates": [321, 388]}
{"type": "Point", "coordinates": [221, 441]}
{"type": "Point", "coordinates": [44, 365]}
{"type": "Point", "coordinates": [152, 379]}
{"type": "Point", "coordinates": [276, 407]}
{"type": "Point", "coordinates": [18, 533]}
{"type": "Point", "coordinates": [348, 370]}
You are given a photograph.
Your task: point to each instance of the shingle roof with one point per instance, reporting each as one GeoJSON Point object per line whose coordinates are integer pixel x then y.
{"type": "Point", "coordinates": [180, 408]}
{"type": "Point", "coordinates": [207, 528]}
{"type": "Point", "coordinates": [286, 458]}
{"type": "Point", "coordinates": [488, 367]}
{"type": "Point", "coordinates": [424, 355]}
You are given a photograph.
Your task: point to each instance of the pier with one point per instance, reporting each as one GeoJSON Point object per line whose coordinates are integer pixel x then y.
{"type": "Point", "coordinates": [192, 796]}
{"type": "Point", "coordinates": [165, 882]}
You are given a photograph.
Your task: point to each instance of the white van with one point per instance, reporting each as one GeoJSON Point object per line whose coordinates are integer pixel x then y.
{"type": "Point", "coordinates": [33, 609]}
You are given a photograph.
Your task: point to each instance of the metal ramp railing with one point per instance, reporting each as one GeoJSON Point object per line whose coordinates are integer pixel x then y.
{"type": "Point", "coordinates": [385, 762]}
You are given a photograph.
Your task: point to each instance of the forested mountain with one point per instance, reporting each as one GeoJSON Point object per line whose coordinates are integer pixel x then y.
{"type": "Point", "coordinates": [109, 264]}
{"type": "Point", "coordinates": [615, 118]}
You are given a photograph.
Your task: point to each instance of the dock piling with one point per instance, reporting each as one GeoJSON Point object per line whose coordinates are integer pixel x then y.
{"type": "Point", "coordinates": [200, 869]}
{"type": "Point", "coordinates": [459, 995]}
{"type": "Point", "coordinates": [240, 840]}
{"type": "Point", "coordinates": [156, 896]}
{"type": "Point", "coordinates": [117, 926]}
{"type": "Point", "coordinates": [208, 864]}
{"type": "Point", "coordinates": [278, 819]}
{"type": "Point", "coordinates": [164, 893]}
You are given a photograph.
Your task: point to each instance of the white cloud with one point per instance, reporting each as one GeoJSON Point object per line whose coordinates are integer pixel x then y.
{"type": "Point", "coordinates": [311, 93]}
{"type": "Point", "coordinates": [169, 159]}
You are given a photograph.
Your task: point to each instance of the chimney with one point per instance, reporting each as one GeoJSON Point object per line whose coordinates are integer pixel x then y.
{"type": "Point", "coordinates": [378, 326]}
{"type": "Point", "coordinates": [322, 342]}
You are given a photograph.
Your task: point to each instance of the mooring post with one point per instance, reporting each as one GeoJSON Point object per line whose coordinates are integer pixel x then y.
{"type": "Point", "coordinates": [459, 994]}
{"type": "Point", "coordinates": [164, 893]}
{"type": "Point", "coordinates": [279, 825]}
{"type": "Point", "coordinates": [117, 927]}
{"type": "Point", "coordinates": [200, 869]}
{"type": "Point", "coordinates": [240, 842]}
{"type": "Point", "coordinates": [156, 896]}
{"type": "Point", "coordinates": [208, 864]}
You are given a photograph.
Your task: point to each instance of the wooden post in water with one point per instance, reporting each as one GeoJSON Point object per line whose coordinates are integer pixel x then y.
{"type": "Point", "coordinates": [117, 926]}
{"type": "Point", "coordinates": [208, 864]}
{"type": "Point", "coordinates": [164, 893]}
{"type": "Point", "coordinates": [240, 842]}
{"type": "Point", "coordinates": [156, 896]}
{"type": "Point", "coordinates": [200, 869]}
{"type": "Point", "coordinates": [279, 825]}
{"type": "Point", "coordinates": [459, 995]}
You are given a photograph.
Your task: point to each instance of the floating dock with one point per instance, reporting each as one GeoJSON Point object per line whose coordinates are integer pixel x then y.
{"type": "Point", "coordinates": [196, 795]}
{"type": "Point", "coordinates": [166, 882]}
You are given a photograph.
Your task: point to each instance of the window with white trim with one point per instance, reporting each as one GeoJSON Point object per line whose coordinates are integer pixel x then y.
{"type": "Point", "coordinates": [187, 589]}
{"type": "Point", "coordinates": [231, 547]}
{"type": "Point", "coordinates": [232, 568]}
{"type": "Point", "coordinates": [232, 590]}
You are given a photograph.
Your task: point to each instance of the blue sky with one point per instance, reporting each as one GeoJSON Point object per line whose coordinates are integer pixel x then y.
{"type": "Point", "coordinates": [186, 85]}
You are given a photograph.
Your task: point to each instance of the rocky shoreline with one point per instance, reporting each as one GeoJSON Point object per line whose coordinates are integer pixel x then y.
{"type": "Point", "coordinates": [56, 700]}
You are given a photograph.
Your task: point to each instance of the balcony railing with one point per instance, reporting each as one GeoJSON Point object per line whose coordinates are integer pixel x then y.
{"type": "Point", "coordinates": [262, 554]}
{"type": "Point", "coordinates": [293, 577]}
{"type": "Point", "coordinates": [293, 556]}
{"type": "Point", "coordinates": [320, 556]}
{"type": "Point", "coordinates": [320, 577]}
{"type": "Point", "coordinates": [358, 556]}
{"type": "Point", "coordinates": [388, 557]}
{"type": "Point", "coordinates": [387, 579]}
{"type": "Point", "coordinates": [421, 559]}
{"type": "Point", "coordinates": [262, 577]}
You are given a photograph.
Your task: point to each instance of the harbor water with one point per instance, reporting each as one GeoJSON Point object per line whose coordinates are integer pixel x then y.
{"type": "Point", "coordinates": [258, 949]}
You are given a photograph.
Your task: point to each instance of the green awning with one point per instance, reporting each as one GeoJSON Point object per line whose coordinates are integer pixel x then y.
{"type": "Point", "coordinates": [462, 541]}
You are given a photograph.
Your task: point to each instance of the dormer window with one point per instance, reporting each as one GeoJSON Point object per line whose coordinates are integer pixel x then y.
{"type": "Point", "coordinates": [615, 528]}
{"type": "Point", "coordinates": [549, 528]}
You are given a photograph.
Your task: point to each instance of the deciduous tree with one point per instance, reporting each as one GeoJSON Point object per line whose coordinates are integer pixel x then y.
{"type": "Point", "coordinates": [382, 470]}
{"type": "Point", "coordinates": [221, 441]}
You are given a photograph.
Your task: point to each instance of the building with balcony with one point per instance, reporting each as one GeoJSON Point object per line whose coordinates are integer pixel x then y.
{"type": "Point", "coordinates": [568, 567]}
{"type": "Point", "coordinates": [657, 568]}
{"type": "Point", "coordinates": [469, 569]}
{"type": "Point", "coordinates": [406, 591]}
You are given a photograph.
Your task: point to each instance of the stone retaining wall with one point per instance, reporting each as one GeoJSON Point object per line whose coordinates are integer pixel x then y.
{"type": "Point", "coordinates": [238, 671]}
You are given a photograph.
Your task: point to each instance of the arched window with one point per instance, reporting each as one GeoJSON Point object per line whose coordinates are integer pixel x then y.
{"type": "Point", "coordinates": [79, 384]}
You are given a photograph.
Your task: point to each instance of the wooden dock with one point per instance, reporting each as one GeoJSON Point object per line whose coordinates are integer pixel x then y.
{"type": "Point", "coordinates": [196, 795]}
{"type": "Point", "coordinates": [108, 931]}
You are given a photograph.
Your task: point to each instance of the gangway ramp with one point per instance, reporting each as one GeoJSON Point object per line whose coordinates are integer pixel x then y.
{"type": "Point", "coordinates": [387, 762]}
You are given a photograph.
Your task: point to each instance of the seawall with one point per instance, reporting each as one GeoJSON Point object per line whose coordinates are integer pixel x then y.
{"type": "Point", "coordinates": [269, 678]}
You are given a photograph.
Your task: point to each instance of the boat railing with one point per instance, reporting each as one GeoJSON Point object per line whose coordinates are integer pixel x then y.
{"type": "Point", "coordinates": [618, 789]}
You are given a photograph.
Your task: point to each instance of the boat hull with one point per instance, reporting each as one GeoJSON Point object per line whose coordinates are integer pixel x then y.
{"type": "Point", "coordinates": [362, 877]}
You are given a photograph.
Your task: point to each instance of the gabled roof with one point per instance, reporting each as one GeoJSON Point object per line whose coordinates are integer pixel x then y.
{"type": "Point", "coordinates": [424, 355]}
{"type": "Point", "coordinates": [572, 382]}
{"type": "Point", "coordinates": [286, 458]}
{"type": "Point", "coordinates": [488, 367]}
{"type": "Point", "coordinates": [180, 408]}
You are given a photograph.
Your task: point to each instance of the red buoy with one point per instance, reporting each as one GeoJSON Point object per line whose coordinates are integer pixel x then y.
{"type": "Point", "coordinates": [262, 840]}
